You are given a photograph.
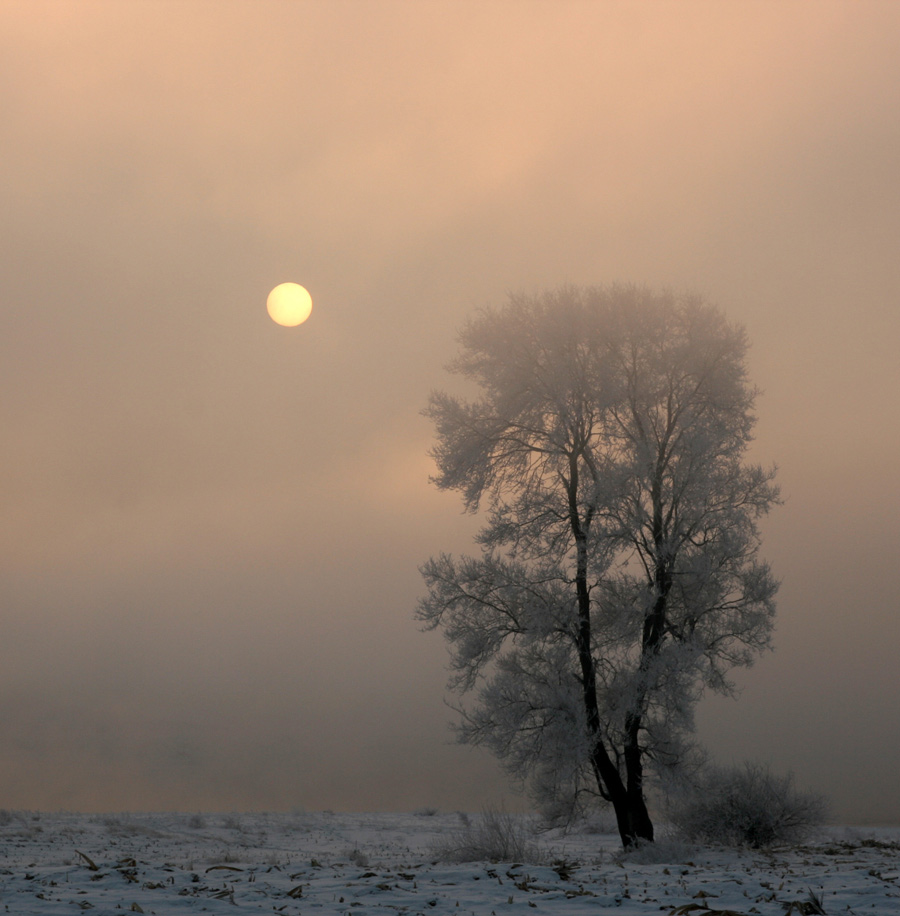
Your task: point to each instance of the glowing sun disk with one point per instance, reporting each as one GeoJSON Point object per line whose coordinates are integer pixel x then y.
{"type": "Point", "coordinates": [289, 304]}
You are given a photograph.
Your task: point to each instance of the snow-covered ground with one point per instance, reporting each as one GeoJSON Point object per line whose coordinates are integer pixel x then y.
{"type": "Point", "coordinates": [385, 864]}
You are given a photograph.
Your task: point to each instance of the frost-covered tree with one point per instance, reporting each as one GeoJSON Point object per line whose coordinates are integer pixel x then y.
{"type": "Point", "coordinates": [619, 573]}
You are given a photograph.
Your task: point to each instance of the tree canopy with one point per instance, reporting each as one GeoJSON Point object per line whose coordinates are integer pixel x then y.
{"type": "Point", "coordinates": [619, 573]}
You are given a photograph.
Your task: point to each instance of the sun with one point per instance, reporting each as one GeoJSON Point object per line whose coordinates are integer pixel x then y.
{"type": "Point", "coordinates": [289, 304]}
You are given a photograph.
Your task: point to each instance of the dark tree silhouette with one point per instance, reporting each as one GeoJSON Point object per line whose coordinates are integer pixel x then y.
{"type": "Point", "coordinates": [619, 574]}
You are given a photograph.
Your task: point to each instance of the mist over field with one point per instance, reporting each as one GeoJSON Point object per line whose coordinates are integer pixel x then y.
{"type": "Point", "coordinates": [212, 525]}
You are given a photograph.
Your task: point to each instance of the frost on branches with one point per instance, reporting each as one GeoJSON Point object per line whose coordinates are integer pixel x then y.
{"type": "Point", "coordinates": [619, 573]}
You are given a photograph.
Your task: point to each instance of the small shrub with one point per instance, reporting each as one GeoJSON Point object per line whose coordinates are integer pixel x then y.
{"type": "Point", "coordinates": [426, 811]}
{"type": "Point", "coordinates": [495, 837]}
{"type": "Point", "coordinates": [358, 858]}
{"type": "Point", "coordinates": [196, 822]}
{"type": "Point", "coordinates": [746, 806]}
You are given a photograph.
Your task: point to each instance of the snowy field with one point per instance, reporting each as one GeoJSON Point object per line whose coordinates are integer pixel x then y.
{"type": "Point", "coordinates": [385, 864]}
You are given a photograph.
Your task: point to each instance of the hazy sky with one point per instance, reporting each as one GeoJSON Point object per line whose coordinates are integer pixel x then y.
{"type": "Point", "coordinates": [212, 526]}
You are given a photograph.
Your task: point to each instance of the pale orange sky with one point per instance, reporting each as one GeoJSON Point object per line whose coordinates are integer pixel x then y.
{"type": "Point", "coordinates": [212, 525]}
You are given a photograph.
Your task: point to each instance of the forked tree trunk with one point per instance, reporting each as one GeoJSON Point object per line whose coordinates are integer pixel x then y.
{"type": "Point", "coordinates": [627, 797]}
{"type": "Point", "coordinates": [632, 816]}
{"type": "Point", "coordinates": [633, 819]}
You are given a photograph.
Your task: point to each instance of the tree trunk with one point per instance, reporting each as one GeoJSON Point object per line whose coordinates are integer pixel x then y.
{"type": "Point", "coordinates": [632, 816]}
{"type": "Point", "coordinates": [633, 819]}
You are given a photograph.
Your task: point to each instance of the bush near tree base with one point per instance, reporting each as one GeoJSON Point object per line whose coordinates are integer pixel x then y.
{"type": "Point", "coordinates": [746, 806]}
